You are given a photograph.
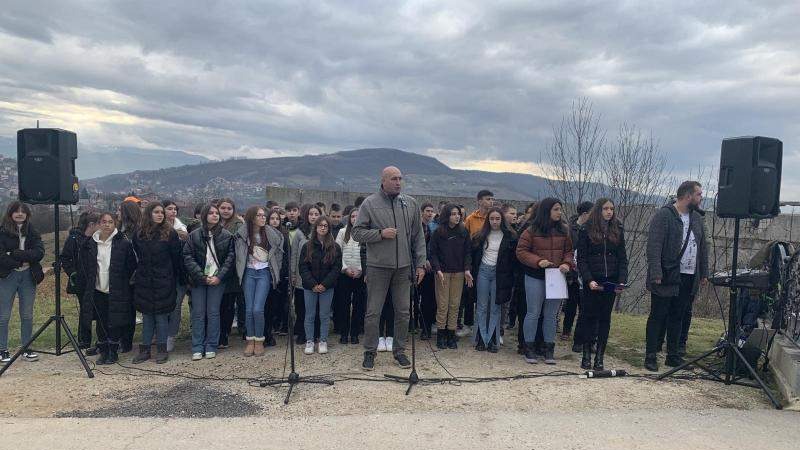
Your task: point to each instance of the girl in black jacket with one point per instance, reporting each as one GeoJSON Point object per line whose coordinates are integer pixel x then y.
{"type": "Point", "coordinates": [208, 258]}
{"type": "Point", "coordinates": [21, 250]}
{"type": "Point", "coordinates": [493, 259]}
{"type": "Point", "coordinates": [451, 260]}
{"type": "Point", "coordinates": [319, 265]}
{"type": "Point", "coordinates": [129, 217]}
{"type": "Point", "coordinates": [106, 263]}
{"type": "Point", "coordinates": [88, 223]}
{"type": "Point", "coordinates": [159, 249]}
{"type": "Point", "coordinates": [603, 266]}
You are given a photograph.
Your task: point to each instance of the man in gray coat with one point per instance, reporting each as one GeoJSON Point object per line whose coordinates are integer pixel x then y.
{"type": "Point", "coordinates": [390, 225]}
{"type": "Point", "coordinates": [677, 263]}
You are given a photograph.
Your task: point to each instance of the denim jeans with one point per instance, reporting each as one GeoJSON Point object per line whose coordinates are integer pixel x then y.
{"type": "Point", "coordinates": [256, 285]}
{"type": "Point", "coordinates": [19, 283]}
{"type": "Point", "coordinates": [206, 301]}
{"type": "Point", "coordinates": [311, 299]}
{"type": "Point", "coordinates": [535, 301]}
{"type": "Point", "coordinates": [155, 323]}
{"type": "Point", "coordinates": [487, 314]}
{"type": "Point", "coordinates": [175, 315]}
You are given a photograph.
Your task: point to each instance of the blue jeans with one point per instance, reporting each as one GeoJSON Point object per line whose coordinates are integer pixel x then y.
{"type": "Point", "coordinates": [256, 285]}
{"type": "Point", "coordinates": [20, 284]}
{"type": "Point", "coordinates": [487, 312]}
{"type": "Point", "coordinates": [311, 299]}
{"type": "Point", "coordinates": [155, 323]}
{"type": "Point", "coordinates": [206, 301]}
{"type": "Point", "coordinates": [535, 301]}
{"type": "Point", "coordinates": [175, 315]}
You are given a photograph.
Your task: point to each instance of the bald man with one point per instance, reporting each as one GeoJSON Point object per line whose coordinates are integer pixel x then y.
{"type": "Point", "coordinates": [390, 225]}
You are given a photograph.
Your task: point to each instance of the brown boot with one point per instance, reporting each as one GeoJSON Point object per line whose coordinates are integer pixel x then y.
{"type": "Point", "coordinates": [258, 347]}
{"type": "Point", "coordinates": [249, 349]}
{"type": "Point", "coordinates": [161, 353]}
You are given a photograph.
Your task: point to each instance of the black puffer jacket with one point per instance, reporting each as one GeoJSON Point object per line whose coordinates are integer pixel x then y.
{"type": "Point", "coordinates": [604, 261]}
{"type": "Point", "coordinates": [317, 271]}
{"type": "Point", "coordinates": [11, 257]}
{"type": "Point", "coordinates": [157, 273]}
{"type": "Point", "coordinates": [194, 255]}
{"type": "Point", "coordinates": [506, 264]}
{"type": "Point", "coordinates": [70, 261]}
{"type": "Point", "coordinates": [120, 271]}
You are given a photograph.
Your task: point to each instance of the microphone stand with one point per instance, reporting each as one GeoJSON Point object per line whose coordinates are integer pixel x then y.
{"type": "Point", "coordinates": [294, 378]}
{"type": "Point", "coordinates": [413, 377]}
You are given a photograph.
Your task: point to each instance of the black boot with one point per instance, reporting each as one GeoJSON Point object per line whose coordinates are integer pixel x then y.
{"type": "Point", "coordinates": [586, 359]}
{"type": "Point", "coordinates": [480, 346]}
{"type": "Point", "coordinates": [598, 357]}
{"type": "Point", "coordinates": [577, 348]}
{"type": "Point", "coordinates": [161, 353]}
{"type": "Point", "coordinates": [651, 362]}
{"type": "Point", "coordinates": [270, 341]}
{"type": "Point", "coordinates": [452, 341]}
{"type": "Point", "coordinates": [144, 354]}
{"type": "Point", "coordinates": [549, 353]}
{"type": "Point", "coordinates": [441, 338]}
{"type": "Point", "coordinates": [113, 355]}
{"type": "Point", "coordinates": [492, 346]}
{"type": "Point", "coordinates": [530, 354]}
{"type": "Point", "coordinates": [674, 361]}
{"type": "Point", "coordinates": [425, 334]}
{"type": "Point", "coordinates": [103, 350]}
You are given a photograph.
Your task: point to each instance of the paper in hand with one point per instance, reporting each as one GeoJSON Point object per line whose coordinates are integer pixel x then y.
{"type": "Point", "coordinates": [555, 284]}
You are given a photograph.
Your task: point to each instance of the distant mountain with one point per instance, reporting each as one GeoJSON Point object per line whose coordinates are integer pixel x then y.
{"type": "Point", "coordinates": [100, 161]}
{"type": "Point", "coordinates": [356, 170]}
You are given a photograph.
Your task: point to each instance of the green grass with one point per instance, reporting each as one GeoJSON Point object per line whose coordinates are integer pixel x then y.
{"type": "Point", "coordinates": [627, 338]}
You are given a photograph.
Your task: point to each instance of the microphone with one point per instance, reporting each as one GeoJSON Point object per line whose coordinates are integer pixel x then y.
{"type": "Point", "coordinates": [605, 373]}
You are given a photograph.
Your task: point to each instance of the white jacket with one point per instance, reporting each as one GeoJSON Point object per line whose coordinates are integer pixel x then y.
{"type": "Point", "coordinates": [103, 260]}
{"type": "Point", "coordinates": [351, 252]}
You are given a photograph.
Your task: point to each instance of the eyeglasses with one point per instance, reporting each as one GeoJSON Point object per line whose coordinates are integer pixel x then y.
{"type": "Point", "coordinates": [322, 226]}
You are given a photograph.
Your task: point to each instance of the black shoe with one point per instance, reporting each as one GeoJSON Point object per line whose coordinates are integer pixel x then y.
{"type": "Point", "coordinates": [90, 351]}
{"type": "Point", "coordinates": [425, 334]}
{"type": "Point", "coordinates": [481, 347]}
{"type": "Point", "coordinates": [125, 348]}
{"type": "Point", "coordinates": [354, 339]}
{"type": "Point", "coordinates": [549, 353]}
{"type": "Point", "coordinates": [402, 360]}
{"type": "Point", "coordinates": [530, 355]}
{"type": "Point", "coordinates": [674, 361]}
{"type": "Point", "coordinates": [343, 339]}
{"type": "Point", "coordinates": [5, 356]}
{"type": "Point", "coordinates": [586, 358]}
{"type": "Point", "coordinates": [103, 359]}
{"type": "Point", "coordinates": [144, 354]}
{"type": "Point", "coordinates": [269, 341]}
{"type": "Point", "coordinates": [492, 347]}
{"type": "Point", "coordinates": [520, 349]}
{"type": "Point", "coordinates": [651, 362]}
{"type": "Point", "coordinates": [30, 356]}
{"type": "Point", "coordinates": [598, 357]}
{"type": "Point", "coordinates": [452, 341]}
{"type": "Point", "coordinates": [682, 351]}
{"type": "Point", "coordinates": [301, 340]}
{"type": "Point", "coordinates": [113, 356]}
{"type": "Point", "coordinates": [578, 348]}
{"type": "Point", "coordinates": [161, 353]}
{"type": "Point", "coordinates": [369, 361]}
{"type": "Point", "coordinates": [441, 339]}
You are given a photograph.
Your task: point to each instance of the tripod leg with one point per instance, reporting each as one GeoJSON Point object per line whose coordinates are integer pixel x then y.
{"type": "Point", "coordinates": [25, 347]}
{"type": "Point", "coordinates": [75, 346]}
{"type": "Point", "coordinates": [288, 394]}
{"type": "Point", "coordinates": [687, 363]}
{"type": "Point", "coordinates": [755, 375]}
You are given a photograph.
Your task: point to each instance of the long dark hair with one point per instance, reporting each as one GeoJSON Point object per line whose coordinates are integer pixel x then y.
{"type": "Point", "coordinates": [130, 215]}
{"type": "Point", "coordinates": [483, 235]}
{"type": "Point", "coordinates": [250, 220]}
{"type": "Point", "coordinates": [204, 220]}
{"type": "Point", "coordinates": [598, 228]}
{"type": "Point", "coordinates": [542, 224]}
{"type": "Point", "coordinates": [305, 225]}
{"type": "Point", "coordinates": [152, 230]}
{"type": "Point", "coordinates": [281, 226]}
{"type": "Point", "coordinates": [444, 219]}
{"type": "Point", "coordinates": [222, 221]}
{"type": "Point", "coordinates": [349, 228]}
{"type": "Point", "coordinates": [8, 223]}
{"type": "Point", "coordinates": [328, 244]}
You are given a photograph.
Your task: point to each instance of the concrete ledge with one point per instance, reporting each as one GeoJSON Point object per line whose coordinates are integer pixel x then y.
{"type": "Point", "coordinates": [784, 360]}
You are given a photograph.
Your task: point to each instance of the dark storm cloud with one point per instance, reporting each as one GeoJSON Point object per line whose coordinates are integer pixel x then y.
{"type": "Point", "coordinates": [483, 80]}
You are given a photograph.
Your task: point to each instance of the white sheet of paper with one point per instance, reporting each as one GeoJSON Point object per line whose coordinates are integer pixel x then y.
{"type": "Point", "coordinates": [555, 284]}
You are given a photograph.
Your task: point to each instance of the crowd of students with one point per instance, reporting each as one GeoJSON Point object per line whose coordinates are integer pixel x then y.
{"type": "Point", "coordinates": [484, 274]}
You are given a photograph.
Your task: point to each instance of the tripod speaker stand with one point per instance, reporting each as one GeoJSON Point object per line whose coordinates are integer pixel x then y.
{"type": "Point", "coordinates": [728, 344]}
{"type": "Point", "coordinates": [57, 318]}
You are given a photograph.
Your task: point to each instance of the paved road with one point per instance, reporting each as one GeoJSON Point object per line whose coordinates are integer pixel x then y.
{"type": "Point", "coordinates": [651, 430]}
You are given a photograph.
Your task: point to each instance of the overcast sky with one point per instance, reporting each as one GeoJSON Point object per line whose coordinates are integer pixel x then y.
{"type": "Point", "coordinates": [476, 84]}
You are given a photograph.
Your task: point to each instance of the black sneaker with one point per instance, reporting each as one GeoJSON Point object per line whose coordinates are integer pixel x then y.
{"type": "Point", "coordinates": [91, 351]}
{"type": "Point", "coordinates": [30, 356]}
{"type": "Point", "coordinates": [674, 361]}
{"type": "Point", "coordinates": [369, 361]}
{"type": "Point", "coordinates": [402, 360]}
{"type": "Point", "coordinates": [5, 356]}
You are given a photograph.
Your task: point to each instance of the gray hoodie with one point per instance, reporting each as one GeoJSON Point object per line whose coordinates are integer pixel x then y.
{"type": "Point", "coordinates": [275, 239]}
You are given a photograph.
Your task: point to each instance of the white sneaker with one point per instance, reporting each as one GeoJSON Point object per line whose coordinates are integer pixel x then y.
{"type": "Point", "coordinates": [139, 320]}
{"type": "Point", "coordinates": [170, 344]}
{"type": "Point", "coordinates": [381, 344]}
{"type": "Point", "coordinates": [323, 347]}
{"type": "Point", "coordinates": [465, 331]}
{"type": "Point", "coordinates": [211, 355]}
{"type": "Point", "coordinates": [389, 344]}
{"type": "Point", "coordinates": [197, 356]}
{"type": "Point", "coordinates": [500, 339]}
{"type": "Point", "coordinates": [309, 348]}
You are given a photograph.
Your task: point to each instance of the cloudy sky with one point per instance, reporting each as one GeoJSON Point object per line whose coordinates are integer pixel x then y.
{"type": "Point", "coordinates": [478, 84]}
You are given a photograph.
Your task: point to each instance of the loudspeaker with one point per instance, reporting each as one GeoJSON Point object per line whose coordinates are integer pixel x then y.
{"type": "Point", "coordinates": [46, 166]}
{"type": "Point", "coordinates": [750, 177]}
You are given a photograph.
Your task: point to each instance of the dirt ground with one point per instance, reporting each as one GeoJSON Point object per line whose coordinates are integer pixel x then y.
{"type": "Point", "coordinates": [228, 386]}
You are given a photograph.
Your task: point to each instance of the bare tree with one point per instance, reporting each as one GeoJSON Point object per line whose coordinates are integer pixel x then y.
{"type": "Point", "coordinates": [637, 177]}
{"type": "Point", "coordinates": [573, 154]}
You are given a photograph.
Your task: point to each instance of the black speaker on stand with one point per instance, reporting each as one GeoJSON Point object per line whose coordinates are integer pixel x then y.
{"type": "Point", "coordinates": [749, 188]}
{"type": "Point", "coordinates": [46, 172]}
